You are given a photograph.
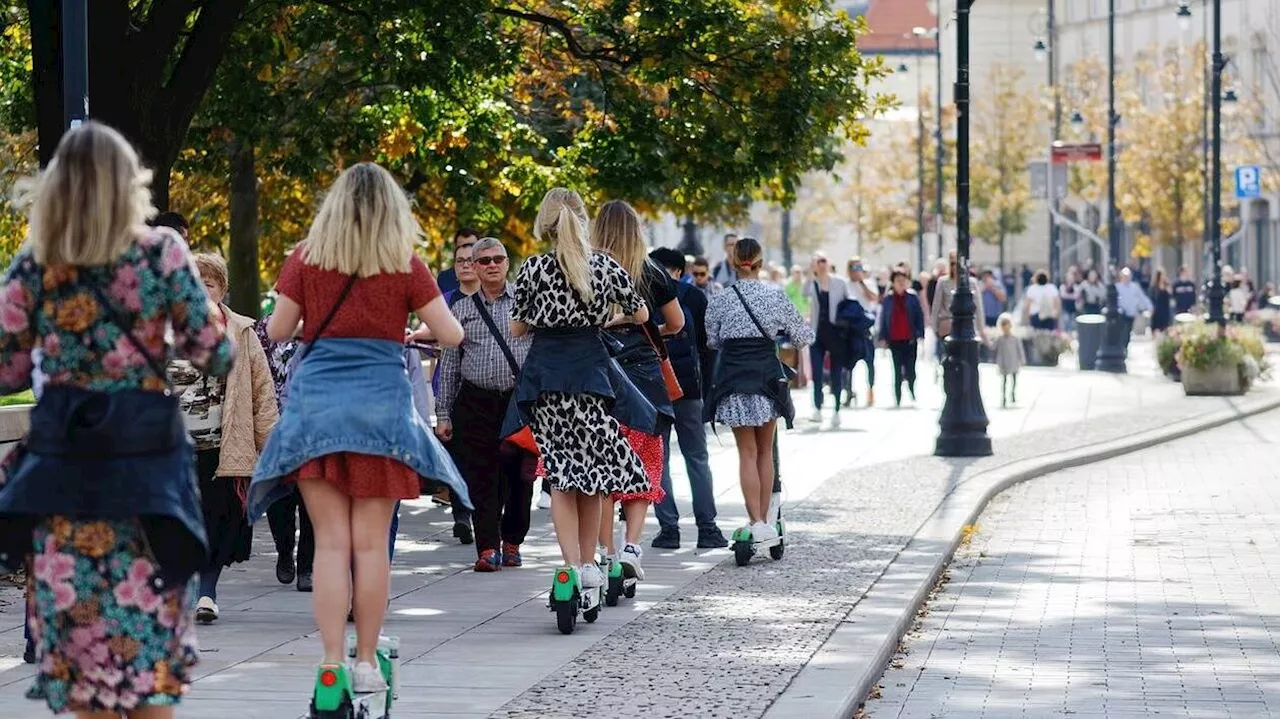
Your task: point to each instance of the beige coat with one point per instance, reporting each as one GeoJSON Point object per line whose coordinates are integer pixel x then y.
{"type": "Point", "coordinates": [249, 411]}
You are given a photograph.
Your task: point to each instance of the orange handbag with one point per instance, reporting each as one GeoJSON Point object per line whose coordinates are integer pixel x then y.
{"type": "Point", "coordinates": [524, 441]}
{"type": "Point", "coordinates": [674, 390]}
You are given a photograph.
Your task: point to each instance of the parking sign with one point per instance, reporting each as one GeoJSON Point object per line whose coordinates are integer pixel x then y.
{"type": "Point", "coordinates": [1248, 182]}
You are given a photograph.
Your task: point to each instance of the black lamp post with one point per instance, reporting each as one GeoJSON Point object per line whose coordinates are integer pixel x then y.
{"type": "Point", "coordinates": [1216, 291]}
{"type": "Point", "coordinates": [75, 62]}
{"type": "Point", "coordinates": [1115, 338]}
{"type": "Point", "coordinates": [964, 420]}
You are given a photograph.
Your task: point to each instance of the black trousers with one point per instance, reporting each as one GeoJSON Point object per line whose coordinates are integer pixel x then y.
{"type": "Point", "coordinates": [904, 366]}
{"type": "Point", "coordinates": [286, 516]}
{"type": "Point", "coordinates": [493, 472]}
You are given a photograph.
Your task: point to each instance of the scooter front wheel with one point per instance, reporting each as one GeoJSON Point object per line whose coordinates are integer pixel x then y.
{"type": "Point", "coordinates": [776, 551]}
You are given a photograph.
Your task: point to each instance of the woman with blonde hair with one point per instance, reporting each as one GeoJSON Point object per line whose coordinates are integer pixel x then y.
{"type": "Point", "coordinates": [617, 231]}
{"type": "Point", "coordinates": [349, 436]}
{"type": "Point", "coordinates": [102, 489]}
{"type": "Point", "coordinates": [572, 395]}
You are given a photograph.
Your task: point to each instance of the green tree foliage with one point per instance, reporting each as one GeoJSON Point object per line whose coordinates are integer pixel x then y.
{"type": "Point", "coordinates": [1008, 133]}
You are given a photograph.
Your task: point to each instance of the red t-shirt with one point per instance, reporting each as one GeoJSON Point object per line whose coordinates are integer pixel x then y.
{"type": "Point", "coordinates": [900, 321]}
{"type": "Point", "coordinates": [376, 308]}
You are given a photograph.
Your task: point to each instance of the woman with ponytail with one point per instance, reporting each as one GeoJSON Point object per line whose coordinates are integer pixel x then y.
{"type": "Point", "coordinates": [571, 393]}
{"type": "Point", "coordinates": [617, 231]}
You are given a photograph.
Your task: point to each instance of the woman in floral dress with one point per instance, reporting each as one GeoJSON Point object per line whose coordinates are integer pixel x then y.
{"type": "Point", "coordinates": [113, 636]}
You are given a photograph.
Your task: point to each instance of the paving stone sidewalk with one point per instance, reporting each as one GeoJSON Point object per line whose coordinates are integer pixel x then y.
{"type": "Point", "coordinates": [1145, 585]}
{"type": "Point", "coordinates": [485, 644]}
{"type": "Point", "coordinates": [728, 644]}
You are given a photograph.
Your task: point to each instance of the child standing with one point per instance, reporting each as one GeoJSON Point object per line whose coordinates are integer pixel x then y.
{"type": "Point", "coordinates": [1010, 356]}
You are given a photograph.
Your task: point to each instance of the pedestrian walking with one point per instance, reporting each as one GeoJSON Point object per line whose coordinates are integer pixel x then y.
{"type": "Point", "coordinates": [107, 509]}
{"type": "Point", "coordinates": [940, 304]}
{"type": "Point", "coordinates": [830, 347]}
{"type": "Point", "coordinates": [723, 273]}
{"type": "Point", "coordinates": [1070, 299]}
{"type": "Point", "coordinates": [688, 352]}
{"type": "Point", "coordinates": [1184, 292]}
{"type": "Point", "coordinates": [449, 281]}
{"type": "Point", "coordinates": [350, 437]}
{"type": "Point", "coordinates": [1093, 294]}
{"type": "Point", "coordinates": [476, 381]}
{"type": "Point", "coordinates": [749, 392]}
{"type": "Point", "coordinates": [1162, 302]}
{"type": "Point", "coordinates": [468, 285]}
{"type": "Point", "coordinates": [571, 394]}
{"type": "Point", "coordinates": [618, 231]}
{"type": "Point", "coordinates": [1010, 358]}
{"type": "Point", "coordinates": [862, 346]}
{"type": "Point", "coordinates": [229, 421]}
{"type": "Point", "coordinates": [1042, 303]}
{"type": "Point", "coordinates": [901, 329]}
{"type": "Point", "coordinates": [290, 526]}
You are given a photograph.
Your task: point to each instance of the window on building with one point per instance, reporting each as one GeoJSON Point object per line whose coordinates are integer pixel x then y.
{"type": "Point", "coordinates": [1098, 8]}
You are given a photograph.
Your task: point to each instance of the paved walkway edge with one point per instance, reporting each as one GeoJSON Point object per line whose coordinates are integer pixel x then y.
{"type": "Point", "coordinates": [841, 674]}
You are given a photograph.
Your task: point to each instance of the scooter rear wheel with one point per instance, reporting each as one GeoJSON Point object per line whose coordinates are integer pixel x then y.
{"type": "Point", "coordinates": [344, 711]}
{"type": "Point", "coordinates": [566, 616]}
{"type": "Point", "coordinates": [613, 591]}
{"type": "Point", "coordinates": [742, 553]}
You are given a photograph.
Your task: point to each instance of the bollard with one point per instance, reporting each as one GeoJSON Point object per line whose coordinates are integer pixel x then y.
{"type": "Point", "coordinates": [1089, 329]}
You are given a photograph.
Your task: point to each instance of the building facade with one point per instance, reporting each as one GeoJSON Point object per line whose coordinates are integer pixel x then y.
{"type": "Point", "coordinates": [1250, 38]}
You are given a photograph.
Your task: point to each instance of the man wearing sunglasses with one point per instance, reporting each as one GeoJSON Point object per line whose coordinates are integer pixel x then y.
{"type": "Point", "coordinates": [700, 270]}
{"type": "Point", "coordinates": [476, 382]}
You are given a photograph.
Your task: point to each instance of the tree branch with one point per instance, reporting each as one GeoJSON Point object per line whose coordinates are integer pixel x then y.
{"type": "Point", "coordinates": [576, 49]}
{"type": "Point", "coordinates": [158, 38]}
{"type": "Point", "coordinates": [199, 62]}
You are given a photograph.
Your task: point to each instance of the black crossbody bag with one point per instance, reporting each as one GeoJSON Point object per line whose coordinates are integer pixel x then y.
{"type": "Point", "coordinates": [493, 330]}
{"type": "Point", "coordinates": [787, 407]}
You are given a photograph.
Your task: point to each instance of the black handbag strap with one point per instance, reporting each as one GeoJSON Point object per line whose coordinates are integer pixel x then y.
{"type": "Point", "coordinates": [125, 329]}
{"type": "Point", "coordinates": [752, 315]}
{"type": "Point", "coordinates": [493, 329]}
{"type": "Point", "coordinates": [324, 323]}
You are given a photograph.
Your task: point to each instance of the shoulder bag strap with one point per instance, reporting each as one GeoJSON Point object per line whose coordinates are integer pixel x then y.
{"type": "Point", "coordinates": [324, 323]}
{"type": "Point", "coordinates": [493, 329]}
{"type": "Point", "coordinates": [124, 328]}
{"type": "Point", "coordinates": [751, 314]}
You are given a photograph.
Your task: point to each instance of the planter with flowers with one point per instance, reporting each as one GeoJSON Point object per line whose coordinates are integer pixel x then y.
{"type": "Point", "coordinates": [1045, 347]}
{"type": "Point", "coordinates": [1167, 352]}
{"type": "Point", "coordinates": [1226, 363]}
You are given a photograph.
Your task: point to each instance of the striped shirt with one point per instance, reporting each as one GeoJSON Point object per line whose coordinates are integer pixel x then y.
{"type": "Point", "coordinates": [479, 360]}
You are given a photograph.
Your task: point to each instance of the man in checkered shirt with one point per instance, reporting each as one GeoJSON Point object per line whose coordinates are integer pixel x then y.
{"type": "Point", "coordinates": [476, 382]}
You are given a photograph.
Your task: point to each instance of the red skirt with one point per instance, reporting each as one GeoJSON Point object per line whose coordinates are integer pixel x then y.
{"type": "Point", "coordinates": [649, 449]}
{"type": "Point", "coordinates": [362, 476]}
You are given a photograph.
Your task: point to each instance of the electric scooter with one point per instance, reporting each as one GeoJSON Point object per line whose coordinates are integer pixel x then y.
{"type": "Point", "coordinates": [334, 697]}
{"type": "Point", "coordinates": [567, 599]}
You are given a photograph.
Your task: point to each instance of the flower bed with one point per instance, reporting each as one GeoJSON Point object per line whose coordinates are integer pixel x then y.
{"type": "Point", "coordinates": [1216, 363]}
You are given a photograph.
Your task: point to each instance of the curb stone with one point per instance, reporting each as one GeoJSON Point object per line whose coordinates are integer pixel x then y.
{"type": "Point", "coordinates": [839, 677]}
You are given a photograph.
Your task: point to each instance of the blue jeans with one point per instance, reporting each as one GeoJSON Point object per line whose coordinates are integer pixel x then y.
{"type": "Point", "coordinates": [817, 352]}
{"type": "Point", "coordinates": [395, 528]}
{"type": "Point", "coordinates": [692, 436]}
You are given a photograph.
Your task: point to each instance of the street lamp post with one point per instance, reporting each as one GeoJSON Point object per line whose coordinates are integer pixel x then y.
{"type": "Point", "coordinates": [75, 62]}
{"type": "Point", "coordinates": [1111, 356]}
{"type": "Point", "coordinates": [963, 422]}
{"type": "Point", "coordinates": [1216, 290]}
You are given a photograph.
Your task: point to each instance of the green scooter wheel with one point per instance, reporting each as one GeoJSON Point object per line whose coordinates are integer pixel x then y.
{"type": "Point", "coordinates": [742, 553]}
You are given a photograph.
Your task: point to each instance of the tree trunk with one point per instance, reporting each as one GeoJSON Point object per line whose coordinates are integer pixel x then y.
{"type": "Point", "coordinates": [689, 242]}
{"type": "Point", "coordinates": [1002, 265]}
{"type": "Point", "coordinates": [242, 260]}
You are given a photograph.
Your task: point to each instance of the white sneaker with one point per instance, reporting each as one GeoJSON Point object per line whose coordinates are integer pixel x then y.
{"type": "Point", "coordinates": [835, 420]}
{"type": "Point", "coordinates": [206, 611]}
{"type": "Point", "coordinates": [630, 558]}
{"type": "Point", "coordinates": [816, 417]}
{"type": "Point", "coordinates": [544, 500]}
{"type": "Point", "coordinates": [761, 532]}
{"type": "Point", "coordinates": [590, 576]}
{"type": "Point", "coordinates": [366, 679]}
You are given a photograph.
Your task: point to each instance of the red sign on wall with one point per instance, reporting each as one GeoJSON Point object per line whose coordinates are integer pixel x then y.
{"type": "Point", "coordinates": [1077, 152]}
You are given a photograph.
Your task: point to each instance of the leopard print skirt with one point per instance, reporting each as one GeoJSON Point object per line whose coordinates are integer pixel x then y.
{"type": "Point", "coordinates": [583, 448]}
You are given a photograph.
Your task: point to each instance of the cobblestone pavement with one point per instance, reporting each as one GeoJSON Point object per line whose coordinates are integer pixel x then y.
{"type": "Point", "coordinates": [689, 644]}
{"type": "Point", "coordinates": [1148, 584]}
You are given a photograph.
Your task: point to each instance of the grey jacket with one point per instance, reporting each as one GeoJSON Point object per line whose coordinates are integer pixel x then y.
{"type": "Point", "coordinates": [839, 290]}
{"type": "Point", "coordinates": [1010, 354]}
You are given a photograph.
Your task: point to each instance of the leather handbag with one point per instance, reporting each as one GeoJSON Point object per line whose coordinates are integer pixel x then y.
{"type": "Point", "coordinates": [522, 439]}
{"type": "Point", "coordinates": [674, 390]}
